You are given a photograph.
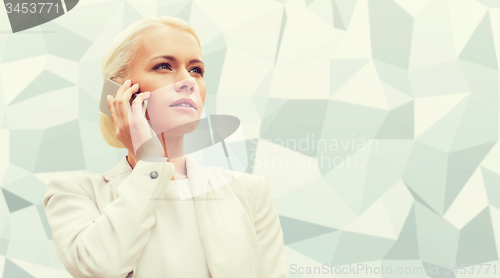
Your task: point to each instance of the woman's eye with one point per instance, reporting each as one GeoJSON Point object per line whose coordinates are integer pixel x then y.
{"type": "Point", "coordinates": [162, 66]}
{"type": "Point", "coordinates": [199, 70]}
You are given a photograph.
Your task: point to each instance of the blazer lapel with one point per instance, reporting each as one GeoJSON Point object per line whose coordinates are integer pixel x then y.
{"type": "Point", "coordinates": [227, 233]}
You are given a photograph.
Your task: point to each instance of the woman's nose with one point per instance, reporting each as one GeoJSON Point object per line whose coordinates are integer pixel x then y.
{"type": "Point", "coordinates": [187, 84]}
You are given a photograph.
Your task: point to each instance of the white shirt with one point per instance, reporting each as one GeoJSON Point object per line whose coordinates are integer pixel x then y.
{"type": "Point", "coordinates": [178, 251]}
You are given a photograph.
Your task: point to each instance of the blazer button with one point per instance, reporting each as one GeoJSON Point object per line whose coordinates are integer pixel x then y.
{"type": "Point", "coordinates": [153, 175]}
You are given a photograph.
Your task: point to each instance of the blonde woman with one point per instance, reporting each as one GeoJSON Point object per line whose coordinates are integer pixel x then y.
{"type": "Point", "coordinates": [130, 221]}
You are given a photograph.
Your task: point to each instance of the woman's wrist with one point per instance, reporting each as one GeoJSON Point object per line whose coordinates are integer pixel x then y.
{"type": "Point", "coordinates": [152, 148]}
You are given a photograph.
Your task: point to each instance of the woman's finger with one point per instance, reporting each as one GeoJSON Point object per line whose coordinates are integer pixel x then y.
{"type": "Point", "coordinates": [124, 102]}
{"type": "Point", "coordinates": [121, 104]}
{"type": "Point", "coordinates": [137, 103]}
{"type": "Point", "coordinates": [119, 99]}
{"type": "Point", "coordinates": [114, 103]}
{"type": "Point", "coordinates": [123, 88]}
{"type": "Point", "coordinates": [127, 94]}
{"type": "Point", "coordinates": [139, 128]}
{"type": "Point", "coordinates": [111, 107]}
{"type": "Point", "coordinates": [136, 108]}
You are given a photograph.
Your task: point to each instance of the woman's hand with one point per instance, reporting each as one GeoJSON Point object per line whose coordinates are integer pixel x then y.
{"type": "Point", "coordinates": [132, 128]}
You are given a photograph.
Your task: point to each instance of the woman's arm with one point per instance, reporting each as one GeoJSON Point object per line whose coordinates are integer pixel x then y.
{"type": "Point", "coordinates": [107, 243]}
{"type": "Point", "coordinates": [269, 233]}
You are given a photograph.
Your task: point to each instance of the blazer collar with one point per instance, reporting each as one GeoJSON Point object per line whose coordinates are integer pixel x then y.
{"type": "Point", "coordinates": [121, 167]}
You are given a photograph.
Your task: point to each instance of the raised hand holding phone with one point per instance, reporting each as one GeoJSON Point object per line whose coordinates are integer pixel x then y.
{"type": "Point", "coordinates": [132, 128]}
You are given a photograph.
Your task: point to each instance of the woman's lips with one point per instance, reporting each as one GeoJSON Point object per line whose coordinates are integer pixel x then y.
{"type": "Point", "coordinates": [184, 100]}
{"type": "Point", "coordinates": [183, 108]}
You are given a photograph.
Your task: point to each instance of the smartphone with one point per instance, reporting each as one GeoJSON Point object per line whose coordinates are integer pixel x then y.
{"type": "Point", "coordinates": [111, 87]}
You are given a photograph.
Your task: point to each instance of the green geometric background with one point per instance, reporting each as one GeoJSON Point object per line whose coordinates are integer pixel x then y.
{"type": "Point", "coordinates": [404, 93]}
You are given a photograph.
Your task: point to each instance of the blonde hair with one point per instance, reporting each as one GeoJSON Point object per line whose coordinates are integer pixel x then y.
{"type": "Point", "coordinates": [122, 51]}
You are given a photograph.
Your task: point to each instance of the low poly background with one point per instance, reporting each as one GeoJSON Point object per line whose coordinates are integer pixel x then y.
{"type": "Point", "coordinates": [374, 121]}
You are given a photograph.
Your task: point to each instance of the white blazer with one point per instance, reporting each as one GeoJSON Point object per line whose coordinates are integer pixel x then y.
{"type": "Point", "coordinates": [100, 222]}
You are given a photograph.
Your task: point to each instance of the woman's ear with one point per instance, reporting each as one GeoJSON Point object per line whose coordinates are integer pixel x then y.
{"type": "Point", "coordinates": [117, 79]}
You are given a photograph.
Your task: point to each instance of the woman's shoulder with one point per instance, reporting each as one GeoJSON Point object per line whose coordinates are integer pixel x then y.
{"type": "Point", "coordinates": [82, 184]}
{"type": "Point", "coordinates": [83, 180]}
{"type": "Point", "coordinates": [74, 180]}
{"type": "Point", "coordinates": [88, 184]}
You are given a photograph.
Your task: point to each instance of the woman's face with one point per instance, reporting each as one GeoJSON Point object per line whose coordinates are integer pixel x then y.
{"type": "Point", "coordinates": [169, 59]}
